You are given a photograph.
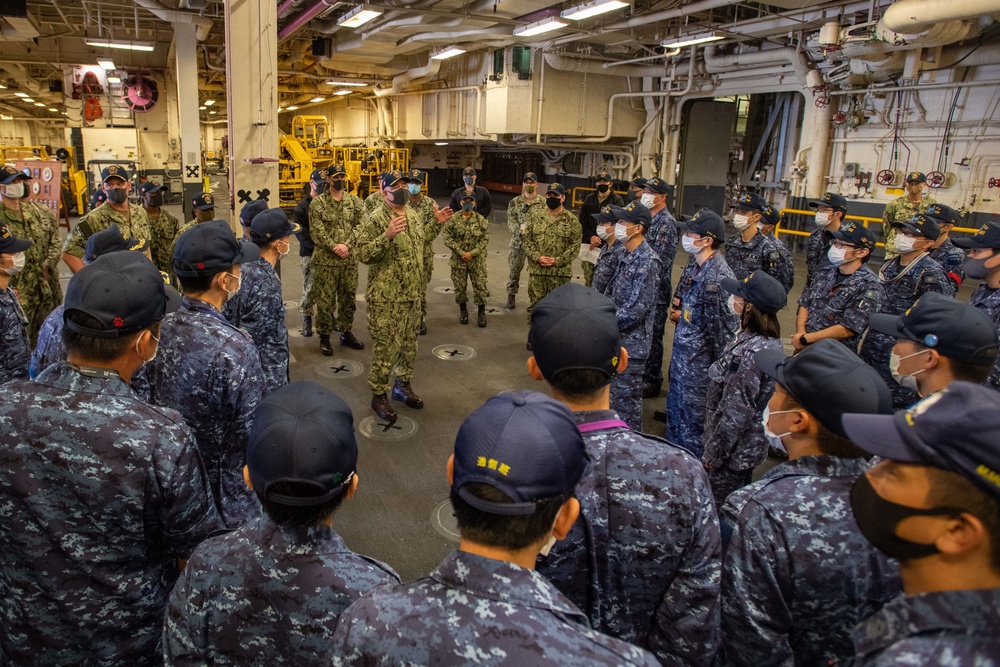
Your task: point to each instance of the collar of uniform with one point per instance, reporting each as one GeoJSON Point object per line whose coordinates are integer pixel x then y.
{"type": "Point", "coordinates": [591, 416]}
{"type": "Point", "coordinates": [754, 241]}
{"type": "Point", "coordinates": [975, 612]}
{"type": "Point", "coordinates": [297, 540]}
{"type": "Point", "coordinates": [662, 216]}
{"type": "Point", "coordinates": [986, 295]}
{"type": "Point", "coordinates": [819, 466]}
{"type": "Point", "coordinates": [503, 582]}
{"type": "Point", "coordinates": [64, 376]}
{"type": "Point", "coordinates": [640, 250]}
{"type": "Point", "coordinates": [710, 269]}
{"type": "Point", "coordinates": [862, 274]}
{"type": "Point", "coordinates": [191, 303]}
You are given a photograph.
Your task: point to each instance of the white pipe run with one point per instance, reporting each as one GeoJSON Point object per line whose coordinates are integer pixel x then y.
{"type": "Point", "coordinates": [716, 63]}
{"type": "Point", "coordinates": [647, 20]}
{"type": "Point", "coordinates": [202, 23]}
{"type": "Point", "coordinates": [398, 81]}
{"type": "Point", "coordinates": [910, 17]}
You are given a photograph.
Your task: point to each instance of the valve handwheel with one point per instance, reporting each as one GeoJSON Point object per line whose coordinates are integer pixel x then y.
{"type": "Point", "coordinates": [935, 179]}
{"type": "Point", "coordinates": [821, 102]}
{"type": "Point", "coordinates": [993, 183]}
{"type": "Point", "coordinates": [839, 118]}
{"type": "Point", "coordinates": [885, 177]}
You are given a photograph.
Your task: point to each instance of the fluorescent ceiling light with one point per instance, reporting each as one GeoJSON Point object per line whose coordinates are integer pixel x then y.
{"type": "Point", "coordinates": [586, 10]}
{"type": "Point", "coordinates": [291, 108]}
{"type": "Point", "coordinates": [39, 104]}
{"type": "Point", "coordinates": [21, 94]}
{"type": "Point", "coordinates": [128, 46]}
{"type": "Point", "coordinates": [346, 83]}
{"type": "Point", "coordinates": [343, 92]}
{"type": "Point", "coordinates": [318, 99]}
{"type": "Point", "coordinates": [53, 109]}
{"type": "Point", "coordinates": [106, 63]}
{"type": "Point", "coordinates": [539, 27]}
{"type": "Point", "coordinates": [4, 116]}
{"type": "Point", "coordinates": [114, 79]}
{"type": "Point", "coordinates": [358, 16]}
{"type": "Point", "coordinates": [202, 108]}
{"type": "Point", "coordinates": [447, 52]}
{"type": "Point", "coordinates": [280, 109]}
{"type": "Point", "coordinates": [29, 100]}
{"type": "Point", "coordinates": [212, 113]}
{"type": "Point", "coordinates": [691, 40]}
{"type": "Point", "coordinates": [3, 87]}
{"type": "Point", "coordinates": [209, 103]}
{"type": "Point", "coordinates": [440, 143]}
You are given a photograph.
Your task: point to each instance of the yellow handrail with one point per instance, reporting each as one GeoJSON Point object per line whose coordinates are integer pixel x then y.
{"type": "Point", "coordinates": [573, 198]}
{"type": "Point", "coordinates": [863, 218]}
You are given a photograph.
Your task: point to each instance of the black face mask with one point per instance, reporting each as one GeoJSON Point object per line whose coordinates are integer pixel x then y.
{"type": "Point", "coordinates": [469, 180]}
{"type": "Point", "coordinates": [976, 268]}
{"type": "Point", "coordinates": [399, 197]}
{"type": "Point", "coordinates": [878, 519]}
{"type": "Point", "coordinates": [603, 187]}
{"type": "Point", "coordinates": [117, 195]}
{"type": "Point", "coordinates": [155, 201]}
{"type": "Point", "coordinates": [553, 203]}
{"type": "Point", "coordinates": [338, 185]}
{"type": "Point", "coordinates": [320, 188]}
{"type": "Point", "coordinates": [467, 206]}
{"type": "Point", "coordinates": [631, 196]}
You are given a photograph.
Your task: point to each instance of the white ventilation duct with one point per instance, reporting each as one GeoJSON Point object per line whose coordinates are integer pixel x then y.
{"type": "Point", "coordinates": [716, 63]}
{"type": "Point", "coordinates": [409, 76]}
{"type": "Point", "coordinates": [910, 17]}
{"type": "Point", "coordinates": [202, 23]}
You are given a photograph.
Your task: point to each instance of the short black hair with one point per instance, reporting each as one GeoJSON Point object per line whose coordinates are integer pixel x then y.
{"type": "Point", "coordinates": [830, 443]}
{"type": "Point", "coordinates": [949, 489]}
{"type": "Point", "coordinates": [96, 349]}
{"type": "Point", "coordinates": [199, 284]}
{"type": "Point", "coordinates": [501, 531]}
{"type": "Point", "coordinates": [578, 384]}
{"type": "Point", "coordinates": [975, 373]}
{"type": "Point", "coordinates": [716, 243]}
{"type": "Point", "coordinates": [295, 516]}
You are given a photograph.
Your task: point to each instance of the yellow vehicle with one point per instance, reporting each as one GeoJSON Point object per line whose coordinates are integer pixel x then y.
{"type": "Point", "coordinates": [74, 180]}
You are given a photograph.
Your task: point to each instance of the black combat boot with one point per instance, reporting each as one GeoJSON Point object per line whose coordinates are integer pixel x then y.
{"type": "Point", "coordinates": [307, 326]}
{"type": "Point", "coordinates": [423, 328]}
{"type": "Point", "coordinates": [510, 302]}
{"type": "Point", "coordinates": [402, 391]}
{"type": "Point", "coordinates": [324, 345]}
{"type": "Point", "coordinates": [350, 340]}
{"type": "Point", "coordinates": [380, 404]}
{"type": "Point", "coordinates": [482, 317]}
{"type": "Point", "coordinates": [463, 314]}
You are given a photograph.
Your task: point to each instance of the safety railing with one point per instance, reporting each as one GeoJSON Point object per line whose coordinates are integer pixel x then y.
{"type": "Point", "coordinates": [865, 220]}
{"type": "Point", "coordinates": [576, 201]}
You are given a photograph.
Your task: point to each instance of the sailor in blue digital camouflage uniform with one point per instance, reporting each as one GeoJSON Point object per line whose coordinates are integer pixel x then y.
{"type": "Point", "coordinates": [257, 307]}
{"type": "Point", "coordinates": [944, 252]}
{"type": "Point", "coordinates": [49, 349]}
{"type": "Point", "coordinates": [783, 264]}
{"type": "Point", "coordinates": [934, 505]}
{"type": "Point", "coordinates": [207, 369]}
{"type": "Point", "coordinates": [643, 560]}
{"type": "Point", "coordinates": [797, 574]}
{"type": "Point", "coordinates": [101, 492]}
{"type": "Point", "coordinates": [662, 236]}
{"type": "Point", "coordinates": [830, 211]}
{"type": "Point", "coordinates": [738, 392]}
{"type": "Point", "coordinates": [905, 278]}
{"type": "Point", "coordinates": [517, 461]}
{"type": "Point", "coordinates": [842, 296]}
{"type": "Point", "coordinates": [748, 250]}
{"type": "Point", "coordinates": [634, 291]}
{"type": "Point", "coordinates": [271, 592]}
{"type": "Point", "coordinates": [704, 327]}
{"type": "Point", "coordinates": [611, 251]}
{"type": "Point", "coordinates": [16, 353]}
{"type": "Point", "coordinates": [983, 263]}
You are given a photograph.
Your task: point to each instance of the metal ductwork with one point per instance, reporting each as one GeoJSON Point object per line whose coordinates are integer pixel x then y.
{"type": "Point", "coordinates": [799, 61]}
{"type": "Point", "coordinates": [910, 17]}
{"type": "Point", "coordinates": [567, 64]}
{"type": "Point", "coordinates": [202, 23]}
{"type": "Point", "coordinates": [410, 76]}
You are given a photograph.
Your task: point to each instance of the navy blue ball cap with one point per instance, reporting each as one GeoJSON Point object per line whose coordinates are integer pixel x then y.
{"type": "Point", "coordinates": [763, 291]}
{"type": "Point", "coordinates": [855, 234]}
{"type": "Point", "coordinates": [604, 216]}
{"type": "Point", "coordinates": [557, 188]}
{"type": "Point", "coordinates": [831, 200]}
{"type": "Point", "coordinates": [469, 171]}
{"type": "Point", "coordinates": [603, 175]}
{"type": "Point", "coordinates": [916, 177]}
{"type": "Point", "coordinates": [319, 176]}
{"type": "Point", "coordinates": [9, 174]}
{"type": "Point", "coordinates": [210, 247]}
{"type": "Point", "coordinates": [10, 244]}
{"type": "Point", "coordinates": [987, 236]}
{"type": "Point", "coordinates": [417, 176]}
{"type": "Point", "coordinates": [337, 170]}
{"type": "Point", "coordinates": [302, 437]}
{"type": "Point", "coordinates": [250, 211]}
{"type": "Point", "coordinates": [204, 202]}
{"type": "Point", "coordinates": [639, 182]}
{"type": "Point", "coordinates": [270, 225]}
{"type": "Point", "coordinates": [658, 186]}
{"type": "Point", "coordinates": [770, 215]}
{"type": "Point", "coordinates": [943, 215]}
{"type": "Point", "coordinates": [391, 178]}
{"type": "Point", "coordinates": [98, 198]}
{"type": "Point", "coordinates": [115, 171]}
{"type": "Point", "coordinates": [530, 176]}
{"type": "Point", "coordinates": [921, 224]}
{"type": "Point", "coordinates": [956, 429]}
{"type": "Point", "coordinates": [705, 222]}
{"type": "Point", "coordinates": [123, 290]}
{"type": "Point", "coordinates": [523, 444]}
{"type": "Point", "coordinates": [955, 329]}
{"type": "Point", "coordinates": [111, 240]}
{"type": "Point", "coordinates": [149, 187]}
{"type": "Point", "coordinates": [748, 201]}
{"type": "Point", "coordinates": [828, 380]}
{"type": "Point", "coordinates": [633, 212]}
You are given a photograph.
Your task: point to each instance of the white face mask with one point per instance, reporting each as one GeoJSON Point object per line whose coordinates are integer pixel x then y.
{"type": "Point", "coordinates": [689, 246]}
{"type": "Point", "coordinates": [773, 438]}
{"type": "Point", "coordinates": [837, 256]}
{"type": "Point", "coordinates": [904, 243]}
{"type": "Point", "coordinates": [734, 306]}
{"type": "Point", "coordinates": [760, 226]}
{"type": "Point", "coordinates": [823, 219]}
{"type": "Point", "coordinates": [621, 235]}
{"type": "Point", "coordinates": [18, 264]}
{"type": "Point", "coordinates": [281, 254]}
{"type": "Point", "coordinates": [741, 222]}
{"type": "Point", "coordinates": [139, 354]}
{"type": "Point", "coordinates": [647, 199]}
{"type": "Point", "coordinates": [602, 232]}
{"type": "Point", "coordinates": [15, 190]}
{"type": "Point", "coordinates": [907, 381]}
{"type": "Point", "coordinates": [239, 281]}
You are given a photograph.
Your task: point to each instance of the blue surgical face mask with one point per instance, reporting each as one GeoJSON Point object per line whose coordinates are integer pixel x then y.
{"type": "Point", "coordinates": [414, 188]}
{"type": "Point", "coordinates": [469, 180]}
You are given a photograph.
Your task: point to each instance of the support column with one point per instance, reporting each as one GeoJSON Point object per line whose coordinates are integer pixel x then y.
{"type": "Point", "coordinates": [186, 59]}
{"type": "Point", "coordinates": [252, 99]}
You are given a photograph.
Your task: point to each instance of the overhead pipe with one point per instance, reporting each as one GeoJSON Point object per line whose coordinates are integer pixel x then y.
{"type": "Point", "coordinates": [568, 64]}
{"type": "Point", "coordinates": [409, 76]}
{"type": "Point", "coordinates": [307, 15]}
{"type": "Point", "coordinates": [203, 24]}
{"type": "Point", "coordinates": [286, 7]}
{"type": "Point", "coordinates": [458, 35]}
{"type": "Point", "coordinates": [645, 20]}
{"type": "Point", "coordinates": [910, 17]}
{"type": "Point", "coordinates": [715, 63]}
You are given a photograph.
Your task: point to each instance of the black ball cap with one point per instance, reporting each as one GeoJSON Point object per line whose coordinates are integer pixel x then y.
{"type": "Point", "coordinates": [250, 210]}
{"type": "Point", "coordinates": [633, 212]}
{"type": "Point", "coordinates": [111, 240]}
{"type": "Point", "coordinates": [831, 200]}
{"type": "Point", "coordinates": [924, 225]}
{"type": "Point", "coordinates": [828, 380]}
{"type": "Point", "coordinates": [270, 225]}
{"type": "Point", "coordinates": [123, 290]}
{"type": "Point", "coordinates": [942, 214]}
{"type": "Point", "coordinates": [762, 290]}
{"type": "Point", "coordinates": [10, 244]}
{"type": "Point", "coordinates": [855, 234]}
{"type": "Point", "coordinates": [210, 247]}
{"type": "Point", "coordinates": [987, 236]}
{"type": "Point", "coordinates": [748, 201]}
{"type": "Point", "coordinates": [706, 222]}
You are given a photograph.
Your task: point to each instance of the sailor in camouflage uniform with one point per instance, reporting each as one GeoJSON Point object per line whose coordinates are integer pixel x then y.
{"type": "Point", "coordinates": [844, 295]}
{"type": "Point", "coordinates": [315, 187]}
{"type": "Point", "coordinates": [905, 278]}
{"type": "Point", "coordinates": [38, 284]}
{"type": "Point", "coordinates": [519, 210]}
{"type": "Point", "coordinates": [373, 201]}
{"type": "Point", "coordinates": [102, 493]}
{"type": "Point", "coordinates": [162, 226]}
{"type": "Point", "coordinates": [944, 252]}
{"type": "Point", "coordinates": [749, 250]}
{"type": "Point", "coordinates": [425, 208]}
{"type": "Point", "coordinates": [13, 324]}
{"type": "Point", "coordinates": [257, 308]}
{"type": "Point", "coordinates": [797, 574]}
{"type": "Point", "coordinates": [593, 203]}
{"type": "Point", "coordinates": [830, 211]}
{"type": "Point", "coordinates": [467, 235]}
{"type": "Point", "coordinates": [782, 262]}
{"type": "Point", "coordinates": [611, 251]}
{"type": "Point", "coordinates": [207, 369]}
{"type": "Point", "coordinates": [663, 236]}
{"type": "Point", "coordinates": [551, 241]}
{"type": "Point", "coordinates": [516, 463]}
{"type": "Point", "coordinates": [203, 207]}
{"type": "Point", "coordinates": [940, 477]}
{"type": "Point", "coordinates": [704, 327]}
{"type": "Point", "coordinates": [738, 392]}
{"type": "Point", "coordinates": [634, 291]}
{"type": "Point", "coordinates": [643, 560]}
{"type": "Point", "coordinates": [391, 242]}
{"type": "Point", "coordinates": [117, 210]}
{"type": "Point", "coordinates": [983, 264]}
{"type": "Point", "coordinates": [271, 591]}
{"type": "Point", "coordinates": [334, 217]}
{"type": "Point", "coordinates": [904, 208]}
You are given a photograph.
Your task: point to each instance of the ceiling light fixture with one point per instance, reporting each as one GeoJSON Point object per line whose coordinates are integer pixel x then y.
{"type": "Point", "coordinates": [440, 143]}
{"type": "Point", "coordinates": [114, 79]}
{"type": "Point", "coordinates": [691, 40]}
{"type": "Point", "coordinates": [447, 52]}
{"type": "Point", "coordinates": [39, 104]}
{"type": "Point", "coordinates": [358, 16]}
{"type": "Point", "coordinates": [128, 46]}
{"type": "Point", "coordinates": [539, 27]}
{"type": "Point", "coordinates": [209, 103]}
{"type": "Point", "coordinates": [29, 100]}
{"type": "Point", "coordinates": [202, 108]}
{"type": "Point", "coordinates": [589, 9]}
{"type": "Point", "coordinates": [212, 113]}
{"type": "Point", "coordinates": [318, 99]}
{"type": "Point", "coordinates": [346, 83]}
{"type": "Point", "coordinates": [21, 94]}
{"type": "Point", "coordinates": [106, 63]}
{"type": "Point", "coordinates": [53, 110]}
{"type": "Point", "coordinates": [291, 108]}
{"type": "Point", "coordinates": [4, 116]}
{"type": "Point", "coordinates": [343, 92]}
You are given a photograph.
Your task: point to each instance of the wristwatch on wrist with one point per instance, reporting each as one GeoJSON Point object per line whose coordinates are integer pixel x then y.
{"type": "Point", "coordinates": [803, 341]}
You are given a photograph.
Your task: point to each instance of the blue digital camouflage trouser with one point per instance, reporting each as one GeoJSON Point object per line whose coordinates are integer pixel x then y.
{"type": "Point", "coordinates": [626, 394]}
